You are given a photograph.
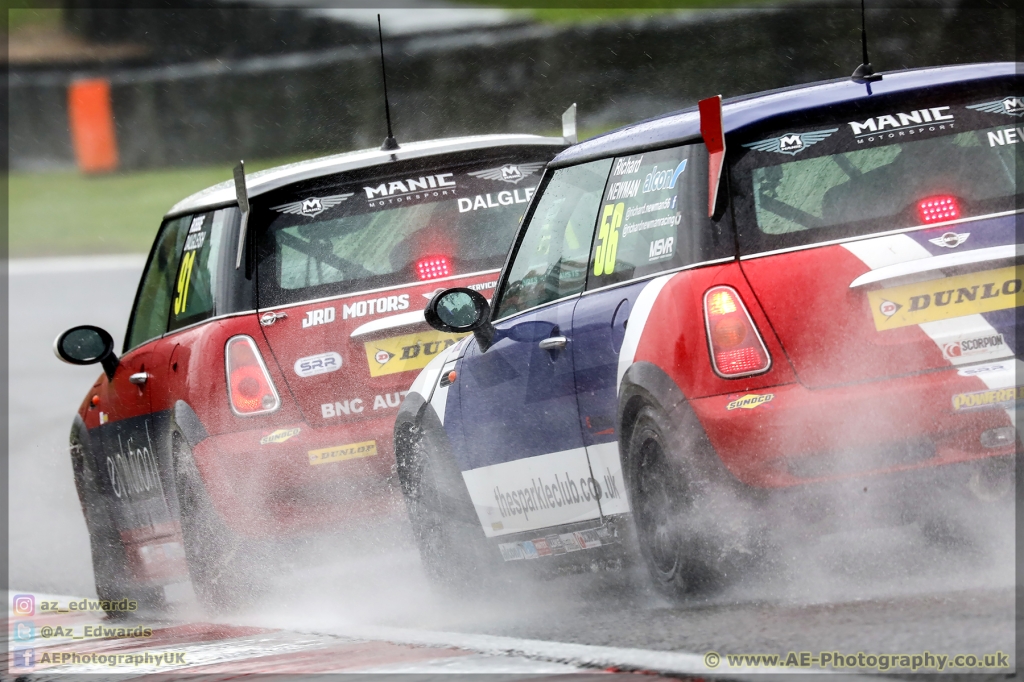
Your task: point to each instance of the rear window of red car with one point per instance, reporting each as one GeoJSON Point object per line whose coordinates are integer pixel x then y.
{"type": "Point", "coordinates": [858, 170]}
{"type": "Point", "coordinates": [407, 224]}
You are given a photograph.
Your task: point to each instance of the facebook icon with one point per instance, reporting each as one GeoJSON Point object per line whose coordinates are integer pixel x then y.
{"type": "Point", "coordinates": [24, 658]}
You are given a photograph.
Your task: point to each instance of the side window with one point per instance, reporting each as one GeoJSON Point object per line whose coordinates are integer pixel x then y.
{"type": "Point", "coordinates": [196, 279]}
{"type": "Point", "coordinates": [551, 260]}
{"type": "Point", "coordinates": [653, 216]}
{"type": "Point", "coordinates": [153, 300]}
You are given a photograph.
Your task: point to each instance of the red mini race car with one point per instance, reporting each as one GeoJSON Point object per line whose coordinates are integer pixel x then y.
{"type": "Point", "coordinates": [807, 297]}
{"type": "Point", "coordinates": [269, 348]}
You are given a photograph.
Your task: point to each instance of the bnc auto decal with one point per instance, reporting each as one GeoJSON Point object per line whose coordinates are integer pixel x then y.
{"type": "Point", "coordinates": [942, 299]}
{"type": "Point", "coordinates": [384, 304]}
{"type": "Point", "coordinates": [351, 406]}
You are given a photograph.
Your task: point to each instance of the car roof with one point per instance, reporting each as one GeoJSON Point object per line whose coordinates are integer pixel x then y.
{"type": "Point", "coordinates": [263, 181]}
{"type": "Point", "coordinates": [738, 112]}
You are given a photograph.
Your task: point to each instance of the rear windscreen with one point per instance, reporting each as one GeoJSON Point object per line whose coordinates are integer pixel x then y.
{"type": "Point", "coordinates": [864, 171]}
{"type": "Point", "coordinates": [413, 223]}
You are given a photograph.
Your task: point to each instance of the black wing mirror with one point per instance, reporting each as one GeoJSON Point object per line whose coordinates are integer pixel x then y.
{"type": "Point", "coordinates": [461, 310]}
{"type": "Point", "coordinates": [87, 345]}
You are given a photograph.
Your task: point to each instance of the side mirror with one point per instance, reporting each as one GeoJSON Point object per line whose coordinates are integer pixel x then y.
{"type": "Point", "coordinates": [87, 345]}
{"type": "Point", "coordinates": [461, 310]}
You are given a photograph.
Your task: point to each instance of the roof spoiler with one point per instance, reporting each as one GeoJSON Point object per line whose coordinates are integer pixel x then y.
{"type": "Point", "coordinates": [569, 125]}
{"type": "Point", "coordinates": [712, 129]}
{"type": "Point", "coordinates": [243, 205]}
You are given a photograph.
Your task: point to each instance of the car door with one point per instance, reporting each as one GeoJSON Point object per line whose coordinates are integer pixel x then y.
{"type": "Point", "coordinates": [128, 466]}
{"type": "Point", "coordinates": [652, 219]}
{"type": "Point", "coordinates": [524, 463]}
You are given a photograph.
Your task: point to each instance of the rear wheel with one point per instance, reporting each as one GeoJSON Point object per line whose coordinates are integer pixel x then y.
{"type": "Point", "coordinates": [694, 532]}
{"type": "Point", "coordinates": [224, 566]}
{"type": "Point", "coordinates": [111, 567]}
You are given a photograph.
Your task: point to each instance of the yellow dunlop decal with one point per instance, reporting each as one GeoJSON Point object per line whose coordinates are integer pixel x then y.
{"type": "Point", "coordinates": [340, 453]}
{"type": "Point", "coordinates": [979, 400]}
{"type": "Point", "coordinates": [403, 353]}
{"type": "Point", "coordinates": [749, 402]}
{"type": "Point", "coordinates": [279, 436]}
{"type": "Point", "coordinates": [942, 299]}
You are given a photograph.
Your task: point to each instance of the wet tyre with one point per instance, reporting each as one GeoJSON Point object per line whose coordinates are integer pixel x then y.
{"type": "Point", "coordinates": [451, 544]}
{"type": "Point", "coordinates": [111, 567]}
{"type": "Point", "coordinates": [227, 570]}
{"type": "Point", "coordinates": [695, 532]}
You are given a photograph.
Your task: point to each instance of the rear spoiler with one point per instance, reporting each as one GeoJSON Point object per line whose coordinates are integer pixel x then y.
{"type": "Point", "coordinates": [712, 130]}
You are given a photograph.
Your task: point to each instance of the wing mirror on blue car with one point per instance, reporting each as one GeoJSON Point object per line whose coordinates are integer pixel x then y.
{"type": "Point", "coordinates": [461, 310]}
{"type": "Point", "coordinates": [86, 345]}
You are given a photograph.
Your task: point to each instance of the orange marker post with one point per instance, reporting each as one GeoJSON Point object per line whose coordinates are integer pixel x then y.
{"type": "Point", "coordinates": [91, 120]}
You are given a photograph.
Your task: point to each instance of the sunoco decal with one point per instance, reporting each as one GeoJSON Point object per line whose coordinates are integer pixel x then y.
{"type": "Point", "coordinates": [279, 436]}
{"type": "Point", "coordinates": [407, 352]}
{"type": "Point", "coordinates": [749, 402]}
{"type": "Point", "coordinates": [980, 400]}
{"type": "Point", "coordinates": [942, 299]}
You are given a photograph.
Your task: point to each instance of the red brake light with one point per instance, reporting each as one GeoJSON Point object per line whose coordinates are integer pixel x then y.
{"type": "Point", "coordinates": [735, 344]}
{"type": "Point", "coordinates": [432, 267]}
{"type": "Point", "coordinates": [938, 208]}
{"type": "Point", "coordinates": [250, 389]}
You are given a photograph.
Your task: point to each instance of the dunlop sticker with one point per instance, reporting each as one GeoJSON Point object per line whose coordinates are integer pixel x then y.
{"type": "Point", "coordinates": [403, 353]}
{"type": "Point", "coordinates": [980, 400]}
{"type": "Point", "coordinates": [942, 299]}
{"type": "Point", "coordinates": [749, 402]}
{"type": "Point", "coordinates": [279, 436]}
{"type": "Point", "coordinates": [340, 453]}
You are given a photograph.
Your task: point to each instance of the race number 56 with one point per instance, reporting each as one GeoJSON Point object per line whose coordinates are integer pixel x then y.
{"type": "Point", "coordinates": [608, 239]}
{"type": "Point", "coordinates": [184, 279]}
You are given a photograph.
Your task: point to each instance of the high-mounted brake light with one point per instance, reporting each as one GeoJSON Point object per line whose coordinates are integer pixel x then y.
{"type": "Point", "coordinates": [938, 208]}
{"type": "Point", "coordinates": [432, 267]}
{"type": "Point", "coordinates": [250, 390]}
{"type": "Point", "coordinates": [737, 349]}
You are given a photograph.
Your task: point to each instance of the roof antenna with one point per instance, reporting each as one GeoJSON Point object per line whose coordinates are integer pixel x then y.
{"type": "Point", "coordinates": [389, 142]}
{"type": "Point", "coordinates": [864, 73]}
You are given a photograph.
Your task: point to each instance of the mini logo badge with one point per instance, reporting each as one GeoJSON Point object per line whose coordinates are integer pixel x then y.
{"type": "Point", "coordinates": [1011, 106]}
{"type": "Point", "coordinates": [790, 143]}
{"type": "Point", "coordinates": [312, 206]}
{"type": "Point", "coordinates": [512, 173]}
{"type": "Point", "coordinates": [279, 436]}
{"type": "Point", "coordinates": [749, 402]}
{"type": "Point", "coordinates": [950, 240]}
{"type": "Point", "coordinates": [888, 308]}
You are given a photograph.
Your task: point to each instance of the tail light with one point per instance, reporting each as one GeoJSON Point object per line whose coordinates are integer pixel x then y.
{"type": "Point", "coordinates": [937, 209]}
{"type": "Point", "coordinates": [735, 344]}
{"type": "Point", "coordinates": [250, 389]}
{"type": "Point", "coordinates": [432, 267]}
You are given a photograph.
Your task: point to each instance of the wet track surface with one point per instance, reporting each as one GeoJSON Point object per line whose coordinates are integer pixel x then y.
{"type": "Point", "coordinates": [873, 591]}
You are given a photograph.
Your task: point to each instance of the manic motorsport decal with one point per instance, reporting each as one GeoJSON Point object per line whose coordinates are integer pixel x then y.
{"type": "Point", "coordinates": [312, 206]}
{"type": "Point", "coordinates": [791, 143]}
{"type": "Point", "coordinates": [512, 173]}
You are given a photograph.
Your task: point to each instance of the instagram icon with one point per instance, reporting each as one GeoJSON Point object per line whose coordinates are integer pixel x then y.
{"type": "Point", "coordinates": [24, 604]}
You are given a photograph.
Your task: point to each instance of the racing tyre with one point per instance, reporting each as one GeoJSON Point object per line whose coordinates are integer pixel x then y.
{"type": "Point", "coordinates": [451, 545]}
{"type": "Point", "coordinates": [111, 568]}
{"type": "Point", "coordinates": [222, 564]}
{"type": "Point", "coordinates": [696, 533]}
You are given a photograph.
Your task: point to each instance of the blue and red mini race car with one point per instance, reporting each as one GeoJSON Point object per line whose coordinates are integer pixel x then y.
{"type": "Point", "coordinates": [808, 289]}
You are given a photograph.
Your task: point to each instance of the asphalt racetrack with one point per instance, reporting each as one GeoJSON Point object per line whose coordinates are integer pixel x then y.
{"type": "Point", "coordinates": [876, 591]}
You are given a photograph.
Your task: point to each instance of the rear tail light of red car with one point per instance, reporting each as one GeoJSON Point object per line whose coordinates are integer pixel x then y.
{"type": "Point", "coordinates": [250, 389]}
{"type": "Point", "coordinates": [737, 349]}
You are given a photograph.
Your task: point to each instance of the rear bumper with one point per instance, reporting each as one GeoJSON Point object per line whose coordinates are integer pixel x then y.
{"type": "Point", "coordinates": [800, 436]}
{"type": "Point", "coordinates": [268, 483]}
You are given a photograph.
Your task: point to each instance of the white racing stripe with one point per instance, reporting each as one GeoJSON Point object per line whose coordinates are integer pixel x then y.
{"type": "Point", "coordinates": [636, 323]}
